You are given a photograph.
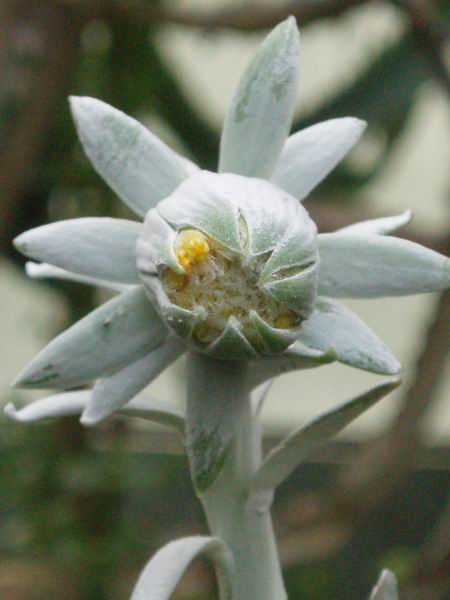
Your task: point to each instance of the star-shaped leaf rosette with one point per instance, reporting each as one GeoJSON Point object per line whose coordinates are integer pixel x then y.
{"type": "Point", "coordinates": [227, 267]}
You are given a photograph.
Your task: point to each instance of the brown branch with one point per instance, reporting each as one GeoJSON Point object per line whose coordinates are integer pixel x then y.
{"type": "Point", "coordinates": [255, 18]}
{"type": "Point", "coordinates": [238, 16]}
{"type": "Point", "coordinates": [432, 36]}
{"type": "Point", "coordinates": [30, 133]}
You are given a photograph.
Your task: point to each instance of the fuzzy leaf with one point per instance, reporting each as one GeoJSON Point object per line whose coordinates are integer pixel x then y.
{"type": "Point", "coordinates": [332, 324]}
{"type": "Point", "coordinates": [161, 575]}
{"type": "Point", "coordinates": [111, 393]}
{"type": "Point", "coordinates": [386, 588]}
{"type": "Point", "coordinates": [73, 403]}
{"type": "Point", "coordinates": [107, 339]}
{"type": "Point", "coordinates": [214, 394]}
{"type": "Point", "coordinates": [259, 396]}
{"type": "Point", "coordinates": [137, 165]}
{"type": "Point", "coordinates": [102, 248]}
{"type": "Point", "coordinates": [309, 155]}
{"type": "Point", "coordinates": [292, 451]}
{"type": "Point", "coordinates": [46, 271]}
{"type": "Point", "coordinates": [372, 266]}
{"type": "Point", "coordinates": [383, 226]}
{"type": "Point", "coordinates": [260, 116]}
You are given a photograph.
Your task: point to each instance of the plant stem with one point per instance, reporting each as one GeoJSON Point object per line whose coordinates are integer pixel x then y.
{"type": "Point", "coordinates": [242, 519]}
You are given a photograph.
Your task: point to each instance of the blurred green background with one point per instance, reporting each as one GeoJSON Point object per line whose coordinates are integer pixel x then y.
{"type": "Point", "coordinates": [81, 511]}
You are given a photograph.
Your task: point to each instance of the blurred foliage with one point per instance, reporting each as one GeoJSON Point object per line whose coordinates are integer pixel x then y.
{"type": "Point", "coordinates": [99, 514]}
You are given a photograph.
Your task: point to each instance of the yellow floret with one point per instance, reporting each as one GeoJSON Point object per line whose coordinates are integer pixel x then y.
{"type": "Point", "coordinates": [285, 321]}
{"type": "Point", "coordinates": [191, 248]}
{"type": "Point", "coordinates": [175, 282]}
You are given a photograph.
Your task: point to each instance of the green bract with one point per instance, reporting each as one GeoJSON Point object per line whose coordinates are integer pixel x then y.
{"type": "Point", "coordinates": [227, 265]}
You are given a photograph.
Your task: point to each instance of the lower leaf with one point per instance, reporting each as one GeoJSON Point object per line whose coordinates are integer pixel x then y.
{"type": "Point", "coordinates": [160, 577]}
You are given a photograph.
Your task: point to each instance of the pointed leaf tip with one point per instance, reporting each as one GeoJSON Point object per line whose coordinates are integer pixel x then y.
{"type": "Point", "coordinates": [109, 338]}
{"type": "Point", "coordinates": [381, 226]}
{"type": "Point", "coordinates": [290, 28]}
{"type": "Point", "coordinates": [113, 392]}
{"type": "Point", "coordinates": [311, 154]}
{"type": "Point", "coordinates": [356, 345]}
{"type": "Point", "coordinates": [386, 587]}
{"type": "Point", "coordinates": [138, 166]}
{"type": "Point", "coordinates": [292, 451]}
{"type": "Point", "coordinates": [261, 111]}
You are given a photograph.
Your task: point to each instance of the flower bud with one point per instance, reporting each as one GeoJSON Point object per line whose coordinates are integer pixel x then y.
{"type": "Point", "coordinates": [231, 263]}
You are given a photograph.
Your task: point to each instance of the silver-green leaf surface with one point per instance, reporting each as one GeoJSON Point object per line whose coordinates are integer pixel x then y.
{"type": "Point", "coordinates": [309, 155]}
{"type": "Point", "coordinates": [373, 266]}
{"type": "Point", "coordinates": [292, 451]}
{"type": "Point", "coordinates": [102, 248]}
{"type": "Point", "coordinates": [260, 116]}
{"type": "Point", "coordinates": [111, 393]}
{"type": "Point", "coordinates": [386, 588]}
{"type": "Point", "coordinates": [137, 165]}
{"type": "Point", "coordinates": [107, 339]}
{"type": "Point", "coordinates": [161, 575]}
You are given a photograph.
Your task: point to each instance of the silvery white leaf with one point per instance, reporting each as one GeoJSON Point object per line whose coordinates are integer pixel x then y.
{"type": "Point", "coordinates": [111, 393]}
{"type": "Point", "coordinates": [69, 404]}
{"type": "Point", "coordinates": [161, 575]}
{"type": "Point", "coordinates": [137, 165]}
{"type": "Point", "coordinates": [107, 339]}
{"type": "Point", "coordinates": [259, 395]}
{"type": "Point", "coordinates": [45, 271]}
{"type": "Point", "coordinates": [296, 358]}
{"type": "Point", "coordinates": [260, 116]}
{"type": "Point", "coordinates": [383, 226]}
{"type": "Point", "coordinates": [311, 154]}
{"type": "Point", "coordinates": [386, 588]}
{"type": "Point", "coordinates": [213, 410]}
{"type": "Point", "coordinates": [204, 201]}
{"type": "Point", "coordinates": [285, 458]}
{"type": "Point", "coordinates": [102, 248]}
{"type": "Point", "coordinates": [372, 266]}
{"type": "Point", "coordinates": [332, 324]}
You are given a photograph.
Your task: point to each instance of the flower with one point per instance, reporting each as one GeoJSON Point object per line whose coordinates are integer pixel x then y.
{"type": "Point", "coordinates": [234, 267]}
{"type": "Point", "coordinates": [227, 264]}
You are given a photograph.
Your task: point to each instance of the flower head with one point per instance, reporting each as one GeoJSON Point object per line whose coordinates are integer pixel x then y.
{"type": "Point", "coordinates": [235, 268]}
{"type": "Point", "coordinates": [226, 264]}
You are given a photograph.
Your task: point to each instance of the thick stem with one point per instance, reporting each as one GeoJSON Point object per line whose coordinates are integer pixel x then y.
{"type": "Point", "coordinates": [242, 519]}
